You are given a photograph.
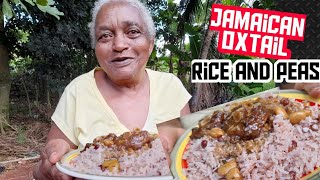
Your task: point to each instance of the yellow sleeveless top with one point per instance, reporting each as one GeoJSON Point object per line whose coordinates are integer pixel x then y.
{"type": "Point", "coordinates": [82, 114]}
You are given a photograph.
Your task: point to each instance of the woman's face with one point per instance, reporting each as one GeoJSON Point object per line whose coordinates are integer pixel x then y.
{"type": "Point", "coordinates": [123, 45]}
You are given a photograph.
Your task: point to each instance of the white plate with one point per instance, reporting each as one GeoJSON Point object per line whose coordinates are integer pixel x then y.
{"type": "Point", "coordinates": [69, 156]}
{"type": "Point", "coordinates": [177, 162]}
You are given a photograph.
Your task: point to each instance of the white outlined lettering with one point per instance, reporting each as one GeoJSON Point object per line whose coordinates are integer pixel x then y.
{"type": "Point", "coordinates": [211, 71]}
{"type": "Point", "coordinates": [252, 71]}
{"type": "Point", "coordinates": [255, 70]}
{"type": "Point", "coordinates": [297, 71]}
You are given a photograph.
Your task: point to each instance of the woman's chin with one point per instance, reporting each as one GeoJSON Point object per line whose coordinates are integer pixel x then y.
{"type": "Point", "coordinates": [122, 76]}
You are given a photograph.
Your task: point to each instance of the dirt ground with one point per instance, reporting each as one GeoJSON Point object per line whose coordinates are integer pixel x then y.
{"type": "Point", "coordinates": [20, 147]}
{"type": "Point", "coordinates": [18, 171]}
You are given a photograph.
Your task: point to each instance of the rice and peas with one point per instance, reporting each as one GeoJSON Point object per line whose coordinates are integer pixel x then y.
{"type": "Point", "coordinates": [136, 153]}
{"type": "Point", "coordinates": [266, 138]}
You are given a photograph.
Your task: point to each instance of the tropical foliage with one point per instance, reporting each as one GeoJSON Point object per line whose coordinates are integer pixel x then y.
{"type": "Point", "coordinates": [15, 11]}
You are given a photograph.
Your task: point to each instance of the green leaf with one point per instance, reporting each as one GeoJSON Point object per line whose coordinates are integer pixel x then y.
{"type": "Point", "coordinates": [170, 3]}
{"type": "Point", "coordinates": [256, 90]}
{"type": "Point", "coordinates": [173, 27]}
{"type": "Point", "coordinates": [237, 91]}
{"type": "Point", "coordinates": [30, 2]}
{"type": "Point", "coordinates": [244, 88]}
{"type": "Point", "coordinates": [51, 10]}
{"type": "Point", "coordinates": [42, 2]}
{"type": "Point", "coordinates": [254, 85]}
{"type": "Point", "coordinates": [50, 2]}
{"type": "Point", "coordinates": [195, 46]}
{"type": "Point", "coordinates": [269, 85]}
{"type": "Point", "coordinates": [6, 9]}
{"type": "Point", "coordinates": [22, 5]}
{"type": "Point", "coordinates": [226, 2]}
{"type": "Point", "coordinates": [153, 54]}
{"type": "Point", "coordinates": [194, 37]}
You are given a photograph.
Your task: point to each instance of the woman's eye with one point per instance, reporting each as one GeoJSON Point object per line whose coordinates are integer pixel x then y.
{"type": "Point", "coordinates": [105, 36]}
{"type": "Point", "coordinates": [134, 32]}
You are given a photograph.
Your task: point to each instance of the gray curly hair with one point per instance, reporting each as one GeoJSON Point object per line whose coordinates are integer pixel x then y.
{"type": "Point", "coordinates": [147, 19]}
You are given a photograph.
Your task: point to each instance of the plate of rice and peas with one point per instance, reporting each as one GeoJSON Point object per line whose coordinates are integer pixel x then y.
{"type": "Point", "coordinates": [133, 155]}
{"type": "Point", "coordinates": [274, 135]}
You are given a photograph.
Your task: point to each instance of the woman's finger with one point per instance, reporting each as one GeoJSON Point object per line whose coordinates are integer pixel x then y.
{"type": "Point", "coordinates": [53, 152]}
{"type": "Point", "coordinates": [55, 149]}
{"type": "Point", "coordinates": [313, 89]}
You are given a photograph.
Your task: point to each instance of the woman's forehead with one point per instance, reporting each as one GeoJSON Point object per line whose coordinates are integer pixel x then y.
{"type": "Point", "coordinates": [106, 26]}
{"type": "Point", "coordinates": [119, 14]}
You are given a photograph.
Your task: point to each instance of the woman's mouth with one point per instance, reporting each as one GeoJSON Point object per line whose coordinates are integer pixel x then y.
{"type": "Point", "coordinates": [122, 61]}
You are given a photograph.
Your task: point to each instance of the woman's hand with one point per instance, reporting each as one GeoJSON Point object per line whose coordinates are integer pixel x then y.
{"type": "Point", "coordinates": [53, 152]}
{"type": "Point", "coordinates": [169, 132]}
{"type": "Point", "coordinates": [313, 89]}
{"type": "Point", "coordinates": [57, 145]}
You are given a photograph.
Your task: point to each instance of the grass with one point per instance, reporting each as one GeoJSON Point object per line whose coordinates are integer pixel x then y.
{"type": "Point", "coordinates": [21, 137]}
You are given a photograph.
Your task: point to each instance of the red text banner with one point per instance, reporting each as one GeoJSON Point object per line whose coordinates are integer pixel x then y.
{"type": "Point", "coordinates": [256, 32]}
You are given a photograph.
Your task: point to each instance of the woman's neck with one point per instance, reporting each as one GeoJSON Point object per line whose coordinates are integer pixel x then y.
{"type": "Point", "coordinates": [133, 85]}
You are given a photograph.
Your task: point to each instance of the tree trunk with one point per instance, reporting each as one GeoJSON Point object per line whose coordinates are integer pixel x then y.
{"type": "Point", "coordinates": [206, 44]}
{"type": "Point", "coordinates": [27, 95]}
{"type": "Point", "coordinates": [205, 95]}
{"type": "Point", "coordinates": [182, 66]}
{"type": "Point", "coordinates": [5, 79]}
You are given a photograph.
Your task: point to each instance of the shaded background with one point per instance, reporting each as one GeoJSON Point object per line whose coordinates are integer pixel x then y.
{"type": "Point", "coordinates": [310, 47]}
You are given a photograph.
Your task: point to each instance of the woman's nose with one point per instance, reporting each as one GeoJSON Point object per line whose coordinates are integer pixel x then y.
{"type": "Point", "coordinates": [120, 43]}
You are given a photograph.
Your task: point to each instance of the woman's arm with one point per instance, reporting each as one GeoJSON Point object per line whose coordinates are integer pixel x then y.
{"type": "Point", "coordinates": [185, 110]}
{"type": "Point", "coordinates": [170, 131]}
{"type": "Point", "coordinates": [57, 145]}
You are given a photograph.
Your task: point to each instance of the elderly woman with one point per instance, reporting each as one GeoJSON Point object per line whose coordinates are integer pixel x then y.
{"type": "Point", "coordinates": [121, 94]}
